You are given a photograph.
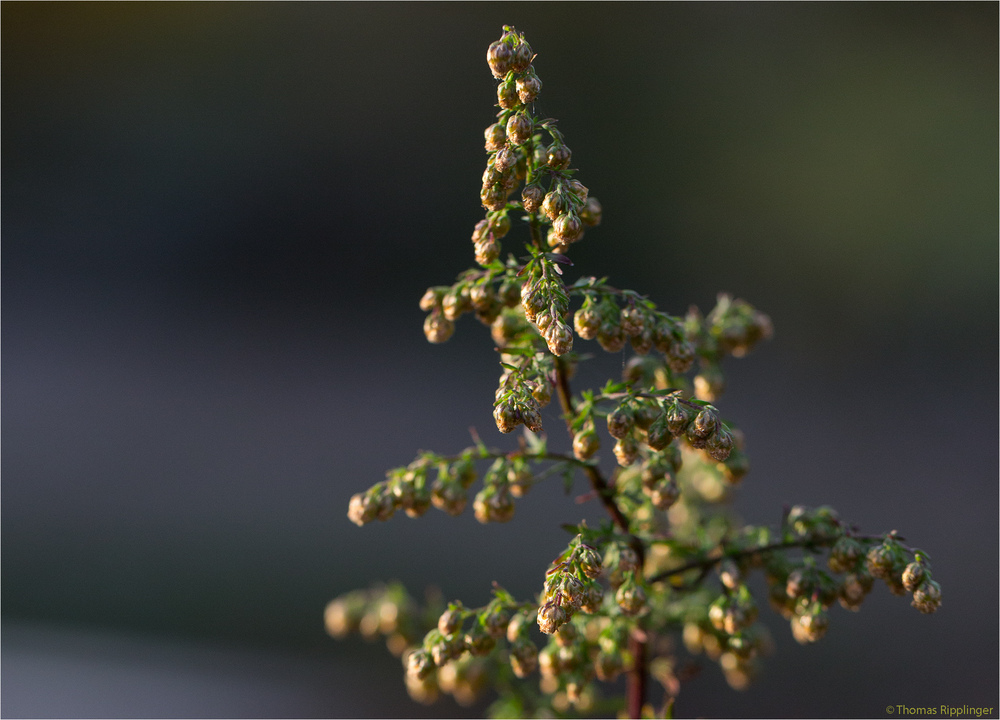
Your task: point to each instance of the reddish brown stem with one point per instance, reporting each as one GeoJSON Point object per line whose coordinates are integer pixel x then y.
{"type": "Point", "coordinates": [635, 691]}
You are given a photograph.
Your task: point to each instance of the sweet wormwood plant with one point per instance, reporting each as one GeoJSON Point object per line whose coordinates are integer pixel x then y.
{"type": "Point", "coordinates": [671, 559]}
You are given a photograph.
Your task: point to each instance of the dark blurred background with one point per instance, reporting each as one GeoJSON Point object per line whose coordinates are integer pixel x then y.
{"type": "Point", "coordinates": [218, 220]}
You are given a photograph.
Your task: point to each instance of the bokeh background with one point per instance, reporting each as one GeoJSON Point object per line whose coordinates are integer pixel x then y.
{"type": "Point", "coordinates": [217, 222]}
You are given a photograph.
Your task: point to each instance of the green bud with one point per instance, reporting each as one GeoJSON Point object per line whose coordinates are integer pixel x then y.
{"type": "Point", "coordinates": [449, 497]}
{"type": "Point", "coordinates": [664, 493]}
{"type": "Point", "coordinates": [554, 205]}
{"type": "Point", "coordinates": [632, 320]}
{"type": "Point", "coordinates": [680, 356]}
{"type": "Point", "coordinates": [568, 228]}
{"type": "Point", "coordinates": [706, 422]}
{"type": "Point", "coordinates": [506, 417]}
{"type": "Point", "coordinates": [559, 338]}
{"type": "Point", "coordinates": [528, 88]}
{"type": "Point", "coordinates": [631, 598]}
{"type": "Point", "coordinates": [479, 641]}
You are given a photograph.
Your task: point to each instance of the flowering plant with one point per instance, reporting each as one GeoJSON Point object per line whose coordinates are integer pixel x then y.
{"type": "Point", "coordinates": [670, 559]}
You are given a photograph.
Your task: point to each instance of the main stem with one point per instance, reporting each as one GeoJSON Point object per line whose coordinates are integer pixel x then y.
{"type": "Point", "coordinates": [635, 691]}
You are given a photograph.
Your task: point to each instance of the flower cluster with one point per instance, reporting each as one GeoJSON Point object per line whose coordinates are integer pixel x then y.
{"type": "Point", "coordinates": [614, 597]}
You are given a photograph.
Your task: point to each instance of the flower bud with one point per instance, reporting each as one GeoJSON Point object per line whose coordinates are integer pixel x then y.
{"type": "Point", "coordinates": [449, 497]}
{"type": "Point", "coordinates": [658, 435]}
{"type": "Point", "coordinates": [844, 554]}
{"type": "Point", "coordinates": [551, 615]}
{"type": "Point", "coordinates": [631, 320]}
{"type": "Point", "coordinates": [589, 560]}
{"type": "Point", "coordinates": [531, 197]}
{"type": "Point", "coordinates": [620, 421]}
{"type": "Point", "coordinates": [720, 444]}
{"type": "Point", "coordinates": [643, 342]}
{"type": "Point", "coordinates": [626, 450]}
{"type": "Point", "coordinates": [500, 58]}
{"type": "Point", "coordinates": [608, 665]}
{"type": "Point", "coordinates": [507, 95]}
{"type": "Point", "coordinates": [478, 641]}
{"type": "Point", "coordinates": [680, 356]}
{"type": "Point", "coordinates": [455, 302]}
{"type": "Point", "coordinates": [709, 384]}
{"type": "Point", "coordinates": [558, 156]}
{"type": "Point", "coordinates": [559, 338]}
{"type": "Point", "coordinates": [913, 575]}
{"type": "Point", "coordinates": [880, 561]}
{"type": "Point", "coordinates": [493, 197]}
{"type": "Point", "coordinates": [705, 424]}
{"type": "Point", "coordinates": [363, 509]}
{"type": "Point", "coordinates": [528, 88]}
{"type": "Point", "coordinates": [419, 664]}
{"type": "Point", "coordinates": [554, 205]}
{"type": "Point", "coordinates": [585, 444]}
{"type": "Point", "coordinates": [496, 137]}
{"type": "Point", "coordinates": [430, 299]}
{"type": "Point", "coordinates": [611, 337]}
{"type": "Point", "coordinates": [591, 212]}
{"type": "Point", "coordinates": [438, 328]}
{"type": "Point", "coordinates": [593, 597]}
{"type": "Point", "coordinates": [927, 597]}
{"type": "Point", "coordinates": [664, 493]}
{"type": "Point", "coordinates": [678, 418]}
{"type": "Point", "coordinates": [587, 321]}
{"type": "Point", "coordinates": [568, 228]}
{"type": "Point", "coordinates": [631, 598]}
{"type": "Point", "coordinates": [451, 619]}
{"type": "Point", "coordinates": [811, 625]}
{"type": "Point", "coordinates": [523, 657]}
{"type": "Point", "coordinates": [519, 128]}
{"type": "Point", "coordinates": [522, 57]}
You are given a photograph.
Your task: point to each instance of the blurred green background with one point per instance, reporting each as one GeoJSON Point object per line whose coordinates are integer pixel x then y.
{"type": "Point", "coordinates": [217, 222]}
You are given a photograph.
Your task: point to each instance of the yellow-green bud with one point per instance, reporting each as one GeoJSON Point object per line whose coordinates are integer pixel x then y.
{"type": "Point", "coordinates": [496, 137]}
